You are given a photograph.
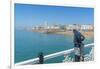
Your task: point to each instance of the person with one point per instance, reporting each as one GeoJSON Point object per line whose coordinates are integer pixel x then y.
{"type": "Point", "coordinates": [41, 58]}
{"type": "Point", "coordinates": [78, 46]}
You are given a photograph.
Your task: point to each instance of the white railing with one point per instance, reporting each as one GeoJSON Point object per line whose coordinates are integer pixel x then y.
{"type": "Point", "coordinates": [50, 56]}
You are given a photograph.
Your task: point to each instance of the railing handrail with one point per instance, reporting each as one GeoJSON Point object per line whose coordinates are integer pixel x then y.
{"type": "Point", "coordinates": [35, 60]}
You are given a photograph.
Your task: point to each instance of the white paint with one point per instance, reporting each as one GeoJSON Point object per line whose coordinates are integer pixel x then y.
{"type": "Point", "coordinates": [77, 3]}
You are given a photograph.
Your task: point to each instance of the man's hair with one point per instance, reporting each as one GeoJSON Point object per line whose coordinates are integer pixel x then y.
{"type": "Point", "coordinates": [74, 30]}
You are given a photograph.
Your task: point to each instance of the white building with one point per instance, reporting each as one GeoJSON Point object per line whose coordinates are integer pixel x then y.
{"type": "Point", "coordinates": [79, 27]}
{"type": "Point", "coordinates": [73, 26]}
{"type": "Point", "coordinates": [87, 27]}
{"type": "Point", "coordinates": [69, 27]}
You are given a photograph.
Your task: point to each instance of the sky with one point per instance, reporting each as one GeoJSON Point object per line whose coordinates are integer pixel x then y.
{"type": "Point", "coordinates": [27, 15]}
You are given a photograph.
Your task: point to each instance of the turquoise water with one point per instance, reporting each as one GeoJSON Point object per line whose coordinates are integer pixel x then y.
{"type": "Point", "coordinates": [28, 44]}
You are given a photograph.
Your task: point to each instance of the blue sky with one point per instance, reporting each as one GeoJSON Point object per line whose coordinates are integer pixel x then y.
{"type": "Point", "coordinates": [27, 15]}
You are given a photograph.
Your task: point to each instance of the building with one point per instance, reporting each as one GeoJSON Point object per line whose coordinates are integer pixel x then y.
{"type": "Point", "coordinates": [87, 27]}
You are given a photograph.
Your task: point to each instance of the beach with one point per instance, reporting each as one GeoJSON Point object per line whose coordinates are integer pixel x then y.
{"type": "Point", "coordinates": [86, 33]}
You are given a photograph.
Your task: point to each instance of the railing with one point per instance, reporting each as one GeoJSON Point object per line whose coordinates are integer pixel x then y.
{"type": "Point", "coordinates": [50, 56]}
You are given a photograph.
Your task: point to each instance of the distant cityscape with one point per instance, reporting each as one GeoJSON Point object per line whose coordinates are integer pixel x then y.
{"type": "Point", "coordinates": [58, 28]}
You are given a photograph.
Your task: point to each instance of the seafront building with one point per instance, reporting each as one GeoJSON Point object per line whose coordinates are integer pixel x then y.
{"type": "Point", "coordinates": [87, 27]}
{"type": "Point", "coordinates": [70, 27]}
{"type": "Point", "coordinates": [80, 27]}
{"type": "Point", "coordinates": [73, 26]}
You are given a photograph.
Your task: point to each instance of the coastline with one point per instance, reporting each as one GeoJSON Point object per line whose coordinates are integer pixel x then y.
{"type": "Point", "coordinates": [60, 32]}
{"type": "Point", "coordinates": [86, 34]}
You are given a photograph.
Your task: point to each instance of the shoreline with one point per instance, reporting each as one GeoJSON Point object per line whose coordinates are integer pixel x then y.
{"type": "Point", "coordinates": [85, 33]}
{"type": "Point", "coordinates": [62, 32]}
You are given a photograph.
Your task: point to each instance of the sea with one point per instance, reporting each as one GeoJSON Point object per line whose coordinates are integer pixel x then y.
{"type": "Point", "coordinates": [28, 45]}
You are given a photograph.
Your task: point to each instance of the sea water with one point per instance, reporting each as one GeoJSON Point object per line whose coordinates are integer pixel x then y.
{"type": "Point", "coordinates": [29, 44]}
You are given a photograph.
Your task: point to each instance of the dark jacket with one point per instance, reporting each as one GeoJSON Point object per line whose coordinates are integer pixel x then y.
{"type": "Point", "coordinates": [78, 37]}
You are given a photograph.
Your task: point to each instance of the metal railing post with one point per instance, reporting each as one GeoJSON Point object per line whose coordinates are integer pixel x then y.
{"type": "Point", "coordinates": [41, 58]}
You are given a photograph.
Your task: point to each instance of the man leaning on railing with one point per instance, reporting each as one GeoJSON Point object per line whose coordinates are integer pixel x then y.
{"type": "Point", "coordinates": [78, 46]}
